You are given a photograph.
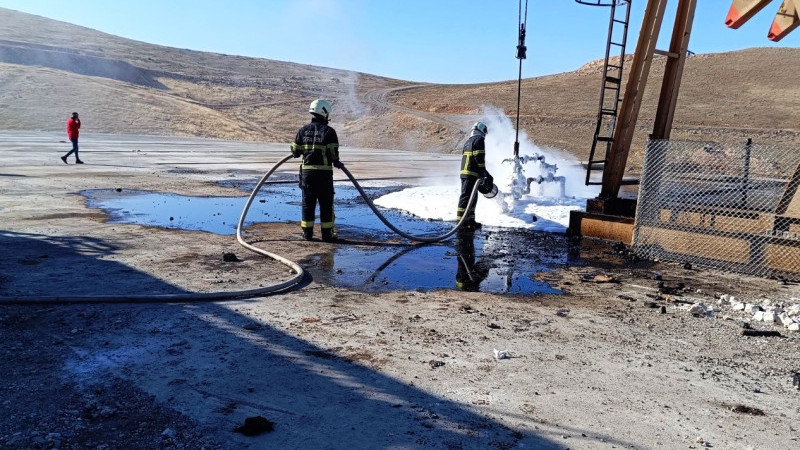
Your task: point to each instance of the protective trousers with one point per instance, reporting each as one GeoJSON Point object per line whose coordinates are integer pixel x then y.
{"type": "Point", "coordinates": [467, 183]}
{"type": "Point", "coordinates": [317, 186]}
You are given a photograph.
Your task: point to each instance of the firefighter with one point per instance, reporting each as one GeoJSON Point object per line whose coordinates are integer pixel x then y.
{"type": "Point", "coordinates": [473, 169]}
{"type": "Point", "coordinates": [318, 146]}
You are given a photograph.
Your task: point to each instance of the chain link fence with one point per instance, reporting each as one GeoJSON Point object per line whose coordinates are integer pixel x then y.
{"type": "Point", "coordinates": [733, 207]}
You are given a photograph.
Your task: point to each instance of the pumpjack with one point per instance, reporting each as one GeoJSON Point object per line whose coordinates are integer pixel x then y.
{"type": "Point", "coordinates": [610, 215]}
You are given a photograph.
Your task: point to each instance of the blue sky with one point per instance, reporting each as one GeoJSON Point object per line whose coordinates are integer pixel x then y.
{"type": "Point", "coordinates": [439, 41]}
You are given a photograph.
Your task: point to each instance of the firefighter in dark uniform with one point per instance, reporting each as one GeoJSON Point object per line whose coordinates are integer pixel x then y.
{"type": "Point", "coordinates": [473, 169]}
{"type": "Point", "coordinates": [318, 145]}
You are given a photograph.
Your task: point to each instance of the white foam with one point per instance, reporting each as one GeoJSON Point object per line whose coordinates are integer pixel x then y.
{"type": "Point", "coordinates": [543, 209]}
{"type": "Point", "coordinates": [440, 203]}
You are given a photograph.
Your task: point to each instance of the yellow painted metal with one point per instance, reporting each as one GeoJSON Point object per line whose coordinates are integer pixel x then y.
{"type": "Point", "coordinates": [695, 243]}
{"type": "Point", "coordinates": [782, 257]}
{"type": "Point", "coordinates": [603, 226]}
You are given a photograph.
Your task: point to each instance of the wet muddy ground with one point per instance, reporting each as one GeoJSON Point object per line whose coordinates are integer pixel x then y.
{"type": "Point", "coordinates": [378, 348]}
{"type": "Point", "coordinates": [492, 260]}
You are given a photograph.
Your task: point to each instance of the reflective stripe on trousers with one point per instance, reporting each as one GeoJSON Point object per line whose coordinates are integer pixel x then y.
{"type": "Point", "coordinates": [317, 187]}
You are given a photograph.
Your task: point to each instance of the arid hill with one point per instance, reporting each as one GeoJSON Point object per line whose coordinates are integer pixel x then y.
{"type": "Point", "coordinates": [50, 68]}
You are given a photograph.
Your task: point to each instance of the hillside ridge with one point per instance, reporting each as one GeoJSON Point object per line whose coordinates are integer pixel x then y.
{"type": "Point", "coordinates": [122, 86]}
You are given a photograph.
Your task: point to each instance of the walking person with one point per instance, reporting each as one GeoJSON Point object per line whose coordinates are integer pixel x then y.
{"type": "Point", "coordinates": [318, 146]}
{"type": "Point", "coordinates": [73, 127]}
{"type": "Point", "coordinates": [473, 168]}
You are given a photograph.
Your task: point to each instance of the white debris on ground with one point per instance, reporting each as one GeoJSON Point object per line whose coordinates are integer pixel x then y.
{"type": "Point", "coordinates": [501, 354]}
{"type": "Point", "coordinates": [781, 314]}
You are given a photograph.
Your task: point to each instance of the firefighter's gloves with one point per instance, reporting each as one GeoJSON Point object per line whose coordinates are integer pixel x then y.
{"type": "Point", "coordinates": [296, 155]}
{"type": "Point", "coordinates": [338, 164]}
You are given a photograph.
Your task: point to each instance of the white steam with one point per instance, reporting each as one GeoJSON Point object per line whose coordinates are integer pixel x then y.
{"type": "Point", "coordinates": [346, 105]}
{"type": "Point", "coordinates": [500, 146]}
{"type": "Point", "coordinates": [543, 208]}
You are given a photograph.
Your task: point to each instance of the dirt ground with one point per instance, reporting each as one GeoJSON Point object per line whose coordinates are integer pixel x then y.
{"type": "Point", "coordinates": [614, 362]}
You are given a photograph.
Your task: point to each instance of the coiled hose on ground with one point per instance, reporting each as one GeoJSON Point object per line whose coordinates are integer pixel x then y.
{"type": "Point", "coordinates": [299, 273]}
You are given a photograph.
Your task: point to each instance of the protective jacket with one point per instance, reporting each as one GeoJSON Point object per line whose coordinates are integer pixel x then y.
{"type": "Point", "coordinates": [73, 125]}
{"type": "Point", "coordinates": [473, 157]}
{"type": "Point", "coordinates": [317, 144]}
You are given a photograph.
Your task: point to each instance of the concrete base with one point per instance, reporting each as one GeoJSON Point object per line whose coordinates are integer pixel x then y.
{"type": "Point", "coordinates": [603, 226]}
{"type": "Point", "coordinates": [623, 207]}
{"type": "Point", "coordinates": [610, 219]}
{"type": "Point", "coordinates": [748, 241]}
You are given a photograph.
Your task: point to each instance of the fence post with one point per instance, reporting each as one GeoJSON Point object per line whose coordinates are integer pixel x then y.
{"type": "Point", "coordinates": [745, 179]}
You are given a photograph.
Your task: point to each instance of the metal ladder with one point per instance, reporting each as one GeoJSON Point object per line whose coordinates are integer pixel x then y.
{"type": "Point", "coordinates": [611, 89]}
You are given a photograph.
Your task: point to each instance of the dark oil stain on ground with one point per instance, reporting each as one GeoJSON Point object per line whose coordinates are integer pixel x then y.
{"type": "Point", "coordinates": [497, 261]}
{"type": "Point", "coordinates": [490, 260]}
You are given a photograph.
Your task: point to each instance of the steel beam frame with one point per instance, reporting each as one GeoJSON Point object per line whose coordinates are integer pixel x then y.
{"type": "Point", "coordinates": [637, 81]}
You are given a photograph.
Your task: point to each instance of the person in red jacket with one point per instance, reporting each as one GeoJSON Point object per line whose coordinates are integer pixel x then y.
{"type": "Point", "coordinates": [73, 125]}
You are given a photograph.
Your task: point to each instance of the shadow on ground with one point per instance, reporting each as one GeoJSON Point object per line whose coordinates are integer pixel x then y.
{"type": "Point", "coordinates": [90, 374]}
{"type": "Point", "coordinates": [40, 263]}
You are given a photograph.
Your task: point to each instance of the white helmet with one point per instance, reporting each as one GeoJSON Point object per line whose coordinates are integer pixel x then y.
{"type": "Point", "coordinates": [480, 126]}
{"type": "Point", "coordinates": [320, 107]}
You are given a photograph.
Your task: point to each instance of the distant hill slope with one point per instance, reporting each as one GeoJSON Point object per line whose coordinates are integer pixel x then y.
{"type": "Point", "coordinates": [50, 68]}
{"type": "Point", "coordinates": [723, 97]}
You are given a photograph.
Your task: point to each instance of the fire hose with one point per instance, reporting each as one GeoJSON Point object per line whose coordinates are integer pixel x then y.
{"type": "Point", "coordinates": [284, 286]}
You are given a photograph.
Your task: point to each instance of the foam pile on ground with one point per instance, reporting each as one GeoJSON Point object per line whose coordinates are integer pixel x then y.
{"type": "Point", "coordinates": [544, 209]}
{"type": "Point", "coordinates": [440, 203]}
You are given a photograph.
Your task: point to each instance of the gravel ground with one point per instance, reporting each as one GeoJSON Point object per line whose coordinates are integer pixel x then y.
{"type": "Point", "coordinates": [615, 361]}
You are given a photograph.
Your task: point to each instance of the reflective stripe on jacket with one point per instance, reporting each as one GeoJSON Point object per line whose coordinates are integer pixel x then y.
{"type": "Point", "coordinates": [473, 157]}
{"type": "Point", "coordinates": [318, 144]}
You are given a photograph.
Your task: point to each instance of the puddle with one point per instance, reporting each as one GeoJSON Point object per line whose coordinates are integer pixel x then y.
{"type": "Point", "coordinates": [500, 262]}
{"type": "Point", "coordinates": [278, 202]}
{"type": "Point", "coordinates": [491, 260]}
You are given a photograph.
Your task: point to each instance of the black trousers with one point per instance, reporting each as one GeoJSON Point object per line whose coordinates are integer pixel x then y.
{"type": "Point", "coordinates": [467, 183]}
{"type": "Point", "coordinates": [74, 148]}
{"type": "Point", "coordinates": [317, 187]}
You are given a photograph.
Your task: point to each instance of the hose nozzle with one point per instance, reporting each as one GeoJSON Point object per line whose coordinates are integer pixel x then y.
{"type": "Point", "coordinates": [487, 187]}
